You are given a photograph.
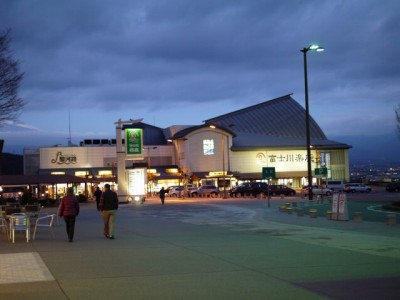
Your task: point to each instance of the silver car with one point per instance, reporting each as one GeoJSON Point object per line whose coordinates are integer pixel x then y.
{"type": "Point", "coordinates": [206, 190]}
{"type": "Point", "coordinates": [317, 190]}
{"type": "Point", "coordinates": [357, 187]}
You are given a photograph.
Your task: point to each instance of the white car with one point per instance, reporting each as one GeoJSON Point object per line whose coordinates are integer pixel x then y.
{"type": "Point", "coordinates": [176, 191]}
{"type": "Point", "coordinates": [317, 190]}
{"type": "Point", "coordinates": [357, 187]}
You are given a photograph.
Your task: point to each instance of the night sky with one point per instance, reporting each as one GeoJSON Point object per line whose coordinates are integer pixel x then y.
{"type": "Point", "coordinates": [175, 62]}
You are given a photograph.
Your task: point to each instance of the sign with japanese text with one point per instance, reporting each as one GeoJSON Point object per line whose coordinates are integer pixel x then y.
{"type": "Point", "coordinates": [282, 161]}
{"type": "Point", "coordinates": [136, 182]}
{"type": "Point", "coordinates": [268, 173]}
{"type": "Point", "coordinates": [339, 207]}
{"type": "Point", "coordinates": [321, 171]}
{"type": "Point", "coordinates": [134, 143]}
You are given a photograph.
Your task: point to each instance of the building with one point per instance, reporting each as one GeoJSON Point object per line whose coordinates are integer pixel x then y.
{"type": "Point", "coordinates": [224, 151]}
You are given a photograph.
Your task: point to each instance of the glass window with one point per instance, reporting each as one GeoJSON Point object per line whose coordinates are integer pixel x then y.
{"type": "Point", "coordinates": [208, 147]}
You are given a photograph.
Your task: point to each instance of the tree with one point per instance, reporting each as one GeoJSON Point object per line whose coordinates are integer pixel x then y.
{"type": "Point", "coordinates": [10, 78]}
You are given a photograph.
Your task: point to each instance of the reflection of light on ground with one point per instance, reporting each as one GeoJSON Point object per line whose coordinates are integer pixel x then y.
{"type": "Point", "coordinates": [378, 208]}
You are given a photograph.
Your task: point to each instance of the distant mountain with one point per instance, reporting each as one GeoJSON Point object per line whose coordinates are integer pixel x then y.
{"type": "Point", "coordinates": [11, 164]}
{"type": "Point", "coordinates": [381, 149]}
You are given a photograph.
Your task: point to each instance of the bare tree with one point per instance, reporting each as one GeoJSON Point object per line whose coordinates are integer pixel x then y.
{"type": "Point", "coordinates": [10, 78]}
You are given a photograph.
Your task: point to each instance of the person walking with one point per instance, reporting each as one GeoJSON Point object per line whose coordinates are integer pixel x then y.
{"type": "Point", "coordinates": [108, 206]}
{"type": "Point", "coordinates": [97, 194]}
{"type": "Point", "coordinates": [162, 195]}
{"type": "Point", "coordinates": [69, 209]}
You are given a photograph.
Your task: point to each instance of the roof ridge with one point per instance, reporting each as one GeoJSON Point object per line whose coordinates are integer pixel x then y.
{"type": "Point", "coordinates": [249, 108]}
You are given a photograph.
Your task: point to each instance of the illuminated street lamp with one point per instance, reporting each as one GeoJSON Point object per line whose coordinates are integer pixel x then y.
{"type": "Point", "coordinates": [309, 172]}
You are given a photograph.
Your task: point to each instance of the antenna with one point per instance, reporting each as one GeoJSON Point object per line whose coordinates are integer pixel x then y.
{"type": "Point", "coordinates": [69, 128]}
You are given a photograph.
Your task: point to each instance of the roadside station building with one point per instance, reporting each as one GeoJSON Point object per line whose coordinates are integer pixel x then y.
{"type": "Point", "coordinates": [224, 150]}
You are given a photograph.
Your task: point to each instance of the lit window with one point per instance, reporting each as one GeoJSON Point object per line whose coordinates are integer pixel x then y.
{"type": "Point", "coordinates": [208, 147]}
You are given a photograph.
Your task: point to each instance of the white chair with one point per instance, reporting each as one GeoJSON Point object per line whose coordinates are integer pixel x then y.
{"type": "Point", "coordinates": [19, 222]}
{"type": "Point", "coordinates": [44, 221]}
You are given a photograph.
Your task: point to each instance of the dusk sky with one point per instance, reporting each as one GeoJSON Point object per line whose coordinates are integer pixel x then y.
{"type": "Point", "coordinates": [180, 62]}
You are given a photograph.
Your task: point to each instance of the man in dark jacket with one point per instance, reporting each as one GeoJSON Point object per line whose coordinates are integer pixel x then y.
{"type": "Point", "coordinates": [97, 194]}
{"type": "Point", "coordinates": [108, 206]}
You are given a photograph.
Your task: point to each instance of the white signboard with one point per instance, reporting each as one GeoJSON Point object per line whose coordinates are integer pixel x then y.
{"type": "Point", "coordinates": [339, 207]}
{"type": "Point", "coordinates": [136, 182]}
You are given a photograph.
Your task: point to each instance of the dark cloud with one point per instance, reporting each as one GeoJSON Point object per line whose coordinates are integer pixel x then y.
{"type": "Point", "coordinates": [177, 55]}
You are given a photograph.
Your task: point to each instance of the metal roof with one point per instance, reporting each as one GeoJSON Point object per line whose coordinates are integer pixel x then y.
{"type": "Point", "coordinates": [152, 135]}
{"type": "Point", "coordinates": [275, 123]}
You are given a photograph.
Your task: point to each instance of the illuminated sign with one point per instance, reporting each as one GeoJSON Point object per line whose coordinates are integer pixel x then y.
{"type": "Point", "coordinates": [134, 142]}
{"type": "Point", "coordinates": [288, 158]}
{"type": "Point", "coordinates": [284, 160]}
{"type": "Point", "coordinates": [136, 182]}
{"type": "Point", "coordinates": [64, 159]}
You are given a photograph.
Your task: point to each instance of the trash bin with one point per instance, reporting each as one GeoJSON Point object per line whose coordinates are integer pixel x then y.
{"type": "Point", "coordinates": [313, 213]}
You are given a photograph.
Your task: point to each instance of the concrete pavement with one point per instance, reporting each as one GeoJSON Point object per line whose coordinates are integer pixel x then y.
{"type": "Point", "coordinates": [206, 250]}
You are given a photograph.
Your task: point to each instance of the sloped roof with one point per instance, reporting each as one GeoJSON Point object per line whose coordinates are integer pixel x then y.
{"type": "Point", "coordinates": [275, 123]}
{"type": "Point", "coordinates": [153, 135]}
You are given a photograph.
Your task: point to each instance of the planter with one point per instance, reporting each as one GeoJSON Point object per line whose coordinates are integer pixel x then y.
{"type": "Point", "coordinates": [357, 217]}
{"type": "Point", "coordinates": [313, 213]}
{"type": "Point", "coordinates": [329, 215]}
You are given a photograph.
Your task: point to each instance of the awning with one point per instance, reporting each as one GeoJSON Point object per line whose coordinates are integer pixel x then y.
{"type": "Point", "coordinates": [40, 179]}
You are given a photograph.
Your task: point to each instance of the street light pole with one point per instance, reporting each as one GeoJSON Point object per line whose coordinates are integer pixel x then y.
{"type": "Point", "coordinates": [308, 133]}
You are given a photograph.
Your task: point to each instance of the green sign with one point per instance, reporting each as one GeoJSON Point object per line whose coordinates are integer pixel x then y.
{"type": "Point", "coordinates": [268, 173]}
{"type": "Point", "coordinates": [321, 171]}
{"type": "Point", "coordinates": [134, 141]}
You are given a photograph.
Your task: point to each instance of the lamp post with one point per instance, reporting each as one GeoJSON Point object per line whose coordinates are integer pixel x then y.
{"type": "Point", "coordinates": [309, 171]}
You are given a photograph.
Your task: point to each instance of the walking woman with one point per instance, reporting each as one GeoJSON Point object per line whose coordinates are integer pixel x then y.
{"type": "Point", "coordinates": [69, 209]}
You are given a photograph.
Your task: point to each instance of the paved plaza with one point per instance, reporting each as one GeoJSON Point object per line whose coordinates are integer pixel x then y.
{"type": "Point", "coordinates": [214, 249]}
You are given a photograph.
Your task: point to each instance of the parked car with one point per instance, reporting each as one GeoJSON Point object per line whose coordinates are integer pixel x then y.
{"type": "Point", "coordinates": [317, 190]}
{"type": "Point", "coordinates": [176, 191]}
{"type": "Point", "coordinates": [205, 190]}
{"type": "Point", "coordinates": [249, 188]}
{"type": "Point", "coordinates": [279, 189]}
{"type": "Point", "coordinates": [357, 187]}
{"type": "Point", "coordinates": [335, 185]}
{"type": "Point", "coordinates": [191, 190]}
{"type": "Point", "coordinates": [393, 187]}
